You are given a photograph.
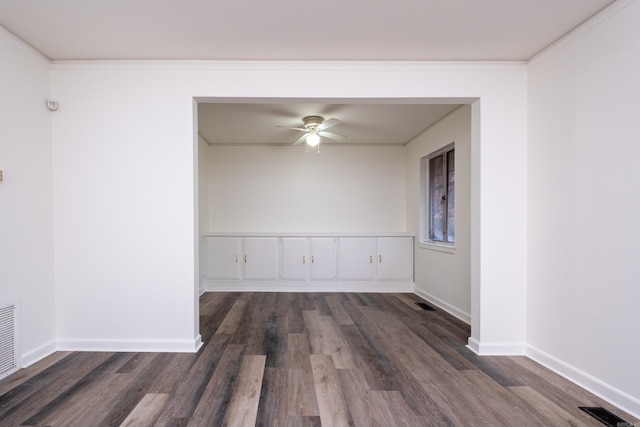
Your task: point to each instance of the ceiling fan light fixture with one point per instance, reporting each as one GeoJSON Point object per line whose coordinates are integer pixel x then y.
{"type": "Point", "coordinates": [313, 139]}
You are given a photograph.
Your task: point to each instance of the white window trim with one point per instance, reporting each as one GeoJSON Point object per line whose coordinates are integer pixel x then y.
{"type": "Point", "coordinates": [424, 242]}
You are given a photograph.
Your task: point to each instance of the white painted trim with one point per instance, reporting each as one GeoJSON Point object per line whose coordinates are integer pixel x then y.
{"type": "Point", "coordinates": [212, 65]}
{"type": "Point", "coordinates": [37, 354]}
{"type": "Point", "coordinates": [454, 311]}
{"type": "Point", "coordinates": [142, 345]}
{"type": "Point", "coordinates": [340, 286]}
{"type": "Point", "coordinates": [7, 35]}
{"type": "Point", "coordinates": [473, 345]}
{"type": "Point", "coordinates": [616, 397]}
{"type": "Point", "coordinates": [496, 348]}
{"type": "Point", "coordinates": [305, 234]}
{"type": "Point", "coordinates": [585, 27]}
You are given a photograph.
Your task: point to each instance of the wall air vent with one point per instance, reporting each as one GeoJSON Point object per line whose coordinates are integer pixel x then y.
{"type": "Point", "coordinates": [8, 339]}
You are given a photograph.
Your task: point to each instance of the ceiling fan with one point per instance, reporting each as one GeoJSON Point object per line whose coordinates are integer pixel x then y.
{"type": "Point", "coordinates": [314, 128]}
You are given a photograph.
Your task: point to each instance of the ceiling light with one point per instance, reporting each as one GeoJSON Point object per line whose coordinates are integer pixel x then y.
{"type": "Point", "coordinates": [313, 138]}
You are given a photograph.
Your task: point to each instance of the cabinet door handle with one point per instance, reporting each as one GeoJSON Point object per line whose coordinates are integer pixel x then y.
{"type": "Point", "coordinates": [236, 258]}
{"type": "Point", "coordinates": [380, 259]}
{"type": "Point", "coordinates": [370, 259]}
{"type": "Point", "coordinates": [312, 260]}
{"type": "Point", "coordinates": [245, 259]}
{"type": "Point", "coordinates": [303, 260]}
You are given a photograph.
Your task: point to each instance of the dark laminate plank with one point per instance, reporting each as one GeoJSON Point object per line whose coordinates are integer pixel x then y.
{"type": "Point", "coordinates": [146, 411]}
{"type": "Point", "coordinates": [177, 368]}
{"type": "Point", "coordinates": [301, 395]}
{"type": "Point", "coordinates": [325, 337]}
{"type": "Point", "coordinates": [139, 384]}
{"type": "Point", "coordinates": [213, 309]}
{"type": "Point", "coordinates": [302, 421]}
{"type": "Point", "coordinates": [276, 359]}
{"type": "Point", "coordinates": [215, 399]}
{"type": "Point", "coordinates": [274, 343]}
{"type": "Point", "coordinates": [29, 372]}
{"type": "Point", "coordinates": [331, 401]}
{"type": "Point", "coordinates": [429, 370]}
{"type": "Point", "coordinates": [417, 397]}
{"type": "Point", "coordinates": [233, 319]}
{"type": "Point", "coordinates": [273, 406]}
{"type": "Point", "coordinates": [410, 300]}
{"type": "Point", "coordinates": [38, 393]}
{"type": "Point", "coordinates": [552, 414]}
{"type": "Point", "coordinates": [499, 402]}
{"type": "Point", "coordinates": [561, 391]}
{"type": "Point", "coordinates": [85, 396]}
{"type": "Point", "coordinates": [191, 387]}
{"type": "Point", "coordinates": [375, 408]}
{"type": "Point", "coordinates": [375, 367]}
{"type": "Point", "coordinates": [337, 310]}
{"type": "Point", "coordinates": [63, 373]}
{"type": "Point", "coordinates": [295, 321]}
{"type": "Point", "coordinates": [243, 407]}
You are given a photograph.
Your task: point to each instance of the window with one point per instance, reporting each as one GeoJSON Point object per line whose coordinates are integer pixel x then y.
{"type": "Point", "coordinates": [438, 197]}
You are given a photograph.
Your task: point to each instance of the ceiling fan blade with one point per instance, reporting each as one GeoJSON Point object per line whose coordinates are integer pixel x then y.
{"type": "Point", "coordinates": [289, 127]}
{"type": "Point", "coordinates": [328, 124]}
{"type": "Point", "coordinates": [332, 135]}
{"type": "Point", "coordinates": [302, 139]}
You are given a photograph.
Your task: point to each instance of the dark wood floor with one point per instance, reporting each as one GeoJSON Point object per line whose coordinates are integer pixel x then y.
{"type": "Point", "coordinates": [296, 359]}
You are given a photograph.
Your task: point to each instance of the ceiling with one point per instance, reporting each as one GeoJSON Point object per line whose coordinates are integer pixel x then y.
{"type": "Point", "coordinates": [362, 123]}
{"type": "Point", "coordinates": [298, 30]}
{"type": "Point", "coordinates": [412, 30]}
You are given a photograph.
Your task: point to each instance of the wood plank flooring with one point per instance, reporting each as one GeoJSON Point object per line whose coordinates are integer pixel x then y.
{"type": "Point", "coordinates": [301, 359]}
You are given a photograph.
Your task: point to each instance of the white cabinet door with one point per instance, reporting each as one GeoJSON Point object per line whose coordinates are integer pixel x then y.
{"type": "Point", "coordinates": [260, 259]}
{"type": "Point", "coordinates": [395, 258]}
{"type": "Point", "coordinates": [222, 258]}
{"type": "Point", "coordinates": [356, 258]}
{"type": "Point", "coordinates": [323, 258]}
{"type": "Point", "coordinates": [295, 258]}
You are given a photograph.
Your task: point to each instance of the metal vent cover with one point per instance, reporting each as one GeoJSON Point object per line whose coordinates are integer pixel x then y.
{"type": "Point", "coordinates": [8, 339]}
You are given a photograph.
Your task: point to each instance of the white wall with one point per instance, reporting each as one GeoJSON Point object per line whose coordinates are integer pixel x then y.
{"type": "Point", "coordinates": [124, 184]}
{"type": "Point", "coordinates": [584, 205]}
{"type": "Point", "coordinates": [441, 277]}
{"type": "Point", "coordinates": [124, 169]}
{"type": "Point", "coordinates": [286, 189]}
{"type": "Point", "coordinates": [26, 196]}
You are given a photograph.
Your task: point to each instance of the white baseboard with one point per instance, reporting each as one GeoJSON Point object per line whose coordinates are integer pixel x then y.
{"type": "Point", "coordinates": [496, 349]}
{"type": "Point", "coordinates": [344, 286]}
{"type": "Point", "coordinates": [616, 397]}
{"type": "Point", "coordinates": [37, 354]}
{"type": "Point", "coordinates": [454, 311]}
{"type": "Point", "coordinates": [145, 346]}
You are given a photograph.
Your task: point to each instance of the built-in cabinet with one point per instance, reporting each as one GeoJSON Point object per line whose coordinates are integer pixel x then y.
{"type": "Point", "coordinates": [308, 263]}
{"type": "Point", "coordinates": [308, 258]}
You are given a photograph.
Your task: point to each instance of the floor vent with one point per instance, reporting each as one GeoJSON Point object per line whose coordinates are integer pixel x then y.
{"type": "Point", "coordinates": [605, 417]}
{"type": "Point", "coordinates": [7, 340]}
{"type": "Point", "coordinates": [425, 306]}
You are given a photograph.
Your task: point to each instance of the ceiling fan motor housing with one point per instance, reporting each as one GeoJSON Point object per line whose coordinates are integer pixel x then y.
{"type": "Point", "coordinates": [311, 122]}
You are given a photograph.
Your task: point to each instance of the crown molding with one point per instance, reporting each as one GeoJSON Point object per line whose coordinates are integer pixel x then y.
{"type": "Point", "coordinates": [593, 22]}
{"type": "Point", "coordinates": [294, 65]}
{"type": "Point", "coordinates": [20, 44]}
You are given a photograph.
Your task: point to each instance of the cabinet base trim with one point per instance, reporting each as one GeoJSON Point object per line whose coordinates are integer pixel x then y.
{"type": "Point", "coordinates": [242, 286]}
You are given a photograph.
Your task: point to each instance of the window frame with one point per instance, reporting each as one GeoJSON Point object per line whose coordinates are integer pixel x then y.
{"type": "Point", "coordinates": [425, 201]}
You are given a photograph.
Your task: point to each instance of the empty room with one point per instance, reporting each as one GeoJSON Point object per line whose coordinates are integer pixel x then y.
{"type": "Point", "coordinates": [394, 214]}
